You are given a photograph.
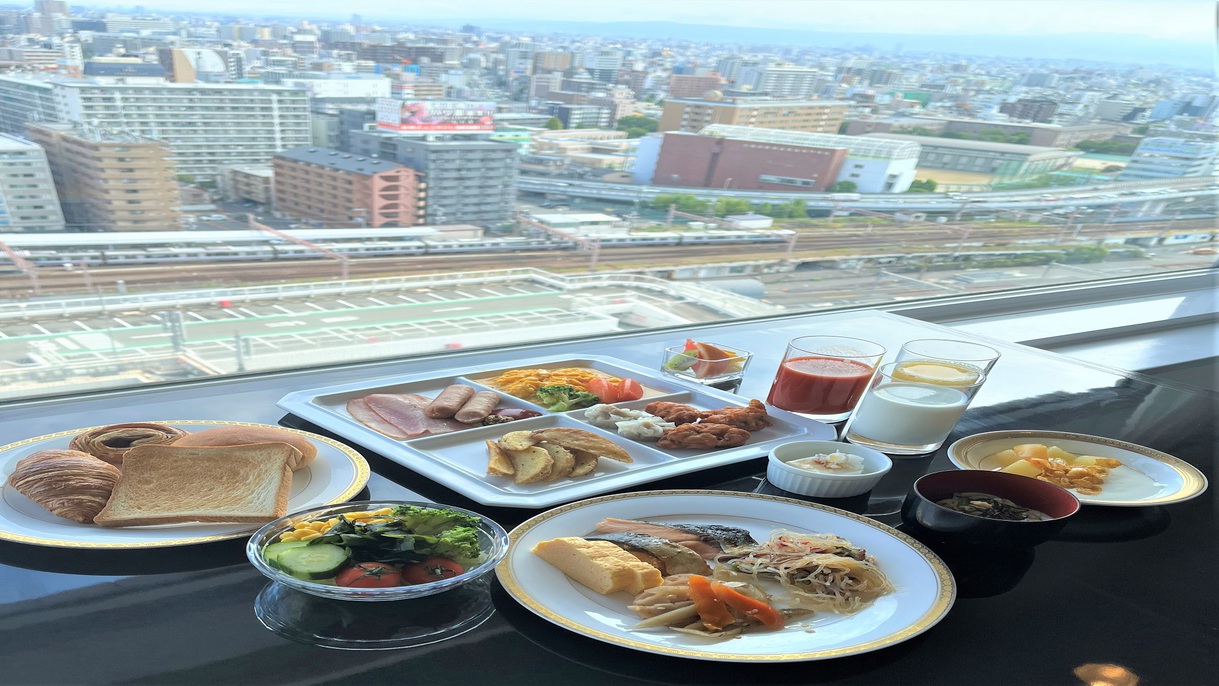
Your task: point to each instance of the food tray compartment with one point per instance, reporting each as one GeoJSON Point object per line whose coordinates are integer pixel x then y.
{"type": "Point", "coordinates": [466, 451]}
{"type": "Point", "coordinates": [779, 429]}
{"type": "Point", "coordinates": [463, 469]}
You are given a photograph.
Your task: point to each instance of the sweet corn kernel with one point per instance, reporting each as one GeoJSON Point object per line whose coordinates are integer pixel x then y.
{"type": "Point", "coordinates": [310, 537]}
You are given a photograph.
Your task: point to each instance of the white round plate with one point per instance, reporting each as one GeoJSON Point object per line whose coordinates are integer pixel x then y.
{"type": "Point", "coordinates": [335, 476]}
{"type": "Point", "coordinates": [925, 589]}
{"type": "Point", "coordinates": [1146, 477]}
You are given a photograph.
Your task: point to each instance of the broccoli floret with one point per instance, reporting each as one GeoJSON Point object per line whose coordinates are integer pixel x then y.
{"type": "Point", "coordinates": [562, 398]}
{"type": "Point", "coordinates": [432, 522]}
{"type": "Point", "coordinates": [459, 544]}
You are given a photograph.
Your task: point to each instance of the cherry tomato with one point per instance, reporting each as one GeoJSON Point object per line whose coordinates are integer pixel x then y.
{"type": "Point", "coordinates": [431, 569]}
{"type": "Point", "coordinates": [369, 575]}
{"type": "Point", "coordinates": [604, 389]}
{"type": "Point", "coordinates": [630, 389]}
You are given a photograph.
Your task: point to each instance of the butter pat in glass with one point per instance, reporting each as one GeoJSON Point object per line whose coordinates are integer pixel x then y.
{"type": "Point", "coordinates": [898, 416]}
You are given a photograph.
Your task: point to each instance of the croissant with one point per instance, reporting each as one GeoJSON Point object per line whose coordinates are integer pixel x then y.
{"type": "Point", "coordinates": [68, 483]}
{"type": "Point", "coordinates": [110, 443]}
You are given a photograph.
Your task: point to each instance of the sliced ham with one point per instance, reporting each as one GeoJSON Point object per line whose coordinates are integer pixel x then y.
{"type": "Point", "coordinates": [359, 409]}
{"type": "Point", "coordinates": [405, 412]}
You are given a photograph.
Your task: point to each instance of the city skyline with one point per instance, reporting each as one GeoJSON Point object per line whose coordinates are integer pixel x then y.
{"type": "Point", "coordinates": [1190, 20]}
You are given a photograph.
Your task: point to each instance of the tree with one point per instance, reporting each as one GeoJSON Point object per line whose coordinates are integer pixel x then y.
{"type": "Point", "coordinates": [1112, 168]}
{"type": "Point", "coordinates": [921, 186]}
{"type": "Point", "coordinates": [727, 206]}
{"type": "Point", "coordinates": [554, 123]}
{"type": "Point", "coordinates": [844, 187]}
{"type": "Point", "coordinates": [636, 121]}
{"type": "Point", "coordinates": [633, 132]}
{"type": "Point", "coordinates": [1141, 130]}
{"type": "Point", "coordinates": [1108, 147]}
{"type": "Point", "coordinates": [685, 203]}
{"type": "Point", "coordinates": [799, 210]}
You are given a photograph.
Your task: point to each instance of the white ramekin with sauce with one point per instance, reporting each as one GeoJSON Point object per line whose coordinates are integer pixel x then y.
{"type": "Point", "coordinates": [821, 482]}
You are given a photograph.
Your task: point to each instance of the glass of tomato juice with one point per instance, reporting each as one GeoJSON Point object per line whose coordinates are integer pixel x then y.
{"type": "Point", "coordinates": [823, 377]}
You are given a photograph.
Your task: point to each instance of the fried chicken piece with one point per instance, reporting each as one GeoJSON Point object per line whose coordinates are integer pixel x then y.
{"type": "Point", "coordinates": [752, 418]}
{"type": "Point", "coordinates": [673, 412]}
{"type": "Point", "coordinates": [703, 437]}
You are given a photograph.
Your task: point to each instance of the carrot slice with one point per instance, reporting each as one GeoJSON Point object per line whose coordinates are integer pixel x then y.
{"type": "Point", "coordinates": [711, 610]}
{"type": "Point", "coordinates": [750, 607]}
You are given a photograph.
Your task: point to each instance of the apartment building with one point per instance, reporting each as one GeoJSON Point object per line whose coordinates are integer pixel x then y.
{"type": "Point", "coordinates": [247, 182]}
{"type": "Point", "coordinates": [110, 181]}
{"type": "Point", "coordinates": [471, 179]}
{"type": "Point", "coordinates": [28, 201]}
{"type": "Point", "coordinates": [340, 189]}
{"type": "Point", "coordinates": [691, 86]}
{"type": "Point", "coordinates": [691, 115]}
{"type": "Point", "coordinates": [205, 124]}
{"type": "Point", "coordinates": [1004, 161]}
{"type": "Point", "coordinates": [783, 80]}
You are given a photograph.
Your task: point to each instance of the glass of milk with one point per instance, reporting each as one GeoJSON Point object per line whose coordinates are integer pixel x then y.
{"type": "Point", "coordinates": [901, 416]}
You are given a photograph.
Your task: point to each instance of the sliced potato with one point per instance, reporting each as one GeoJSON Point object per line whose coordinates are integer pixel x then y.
{"type": "Point", "coordinates": [532, 464]}
{"type": "Point", "coordinates": [517, 440]}
{"type": "Point", "coordinates": [585, 462]}
{"type": "Point", "coordinates": [564, 461]}
{"type": "Point", "coordinates": [498, 462]}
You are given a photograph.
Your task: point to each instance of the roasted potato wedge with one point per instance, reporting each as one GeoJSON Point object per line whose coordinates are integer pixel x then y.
{"type": "Point", "coordinates": [585, 462]}
{"type": "Point", "coordinates": [498, 462]}
{"type": "Point", "coordinates": [517, 440]}
{"type": "Point", "coordinates": [564, 461]}
{"type": "Point", "coordinates": [579, 439]}
{"type": "Point", "coordinates": [532, 464]}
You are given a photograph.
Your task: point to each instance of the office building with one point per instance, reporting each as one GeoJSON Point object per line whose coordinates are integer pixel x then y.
{"type": "Point", "coordinates": [1004, 161]}
{"type": "Point", "coordinates": [604, 65]}
{"type": "Point", "coordinates": [205, 125]}
{"type": "Point", "coordinates": [1119, 110]}
{"type": "Point", "coordinates": [189, 65]}
{"type": "Point", "coordinates": [691, 115]}
{"type": "Point", "coordinates": [1030, 109]}
{"type": "Point", "coordinates": [874, 166]}
{"type": "Point", "coordinates": [1047, 135]}
{"type": "Point", "coordinates": [110, 181]}
{"type": "Point", "coordinates": [1041, 79]}
{"type": "Point", "coordinates": [28, 201]}
{"type": "Point", "coordinates": [336, 188]}
{"type": "Point", "coordinates": [696, 161]}
{"type": "Point", "coordinates": [544, 62]}
{"type": "Point", "coordinates": [471, 179]}
{"type": "Point", "coordinates": [1167, 158]}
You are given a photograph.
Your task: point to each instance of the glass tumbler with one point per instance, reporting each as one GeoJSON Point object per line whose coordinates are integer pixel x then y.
{"type": "Point", "coordinates": [901, 417]}
{"type": "Point", "coordinates": [944, 362]}
{"type": "Point", "coordinates": [823, 377]}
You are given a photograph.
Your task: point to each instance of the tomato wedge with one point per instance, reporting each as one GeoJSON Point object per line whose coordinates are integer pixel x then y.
{"type": "Point", "coordinates": [431, 569]}
{"type": "Point", "coordinates": [604, 389]}
{"type": "Point", "coordinates": [369, 575]}
{"type": "Point", "coordinates": [712, 611]}
{"type": "Point", "coordinates": [629, 389]}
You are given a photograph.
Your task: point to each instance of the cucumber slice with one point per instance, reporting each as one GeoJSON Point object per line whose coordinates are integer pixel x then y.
{"type": "Point", "coordinates": [273, 551]}
{"type": "Point", "coordinates": [311, 562]}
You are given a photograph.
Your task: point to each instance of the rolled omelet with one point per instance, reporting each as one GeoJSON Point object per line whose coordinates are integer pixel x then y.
{"type": "Point", "coordinates": [599, 565]}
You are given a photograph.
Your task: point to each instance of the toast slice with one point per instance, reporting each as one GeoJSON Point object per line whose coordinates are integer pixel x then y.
{"type": "Point", "coordinates": [165, 484]}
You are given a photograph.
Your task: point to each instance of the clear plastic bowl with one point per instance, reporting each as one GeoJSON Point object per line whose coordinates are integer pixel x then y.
{"type": "Point", "coordinates": [491, 537]}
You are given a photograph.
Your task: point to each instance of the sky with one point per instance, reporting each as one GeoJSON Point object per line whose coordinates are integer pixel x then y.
{"type": "Point", "coordinates": [1183, 20]}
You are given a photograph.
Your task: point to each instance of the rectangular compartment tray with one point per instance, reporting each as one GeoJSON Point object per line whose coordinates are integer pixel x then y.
{"type": "Point", "coordinates": [458, 460]}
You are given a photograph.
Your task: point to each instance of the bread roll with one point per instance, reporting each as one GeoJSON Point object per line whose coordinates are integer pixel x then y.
{"type": "Point", "coordinates": [68, 483]}
{"type": "Point", "coordinates": [110, 443]}
{"type": "Point", "coordinates": [245, 435]}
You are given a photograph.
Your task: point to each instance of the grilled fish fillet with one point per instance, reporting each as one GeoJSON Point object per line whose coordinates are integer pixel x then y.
{"type": "Point", "coordinates": [670, 558]}
{"type": "Point", "coordinates": [708, 540]}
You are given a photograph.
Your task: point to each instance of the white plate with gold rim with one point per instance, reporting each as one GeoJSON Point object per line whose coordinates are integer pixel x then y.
{"type": "Point", "coordinates": [1146, 477]}
{"type": "Point", "coordinates": [337, 475]}
{"type": "Point", "coordinates": [924, 588]}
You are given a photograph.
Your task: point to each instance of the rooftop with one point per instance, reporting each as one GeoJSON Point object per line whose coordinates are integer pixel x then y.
{"type": "Point", "coordinates": [336, 159]}
{"type": "Point", "coordinates": [856, 146]}
{"type": "Point", "coordinates": [962, 144]}
{"type": "Point", "coordinates": [9, 142]}
{"type": "Point", "coordinates": [748, 101]}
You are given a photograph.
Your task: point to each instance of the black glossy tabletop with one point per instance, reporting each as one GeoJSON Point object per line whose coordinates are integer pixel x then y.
{"type": "Point", "coordinates": [1121, 596]}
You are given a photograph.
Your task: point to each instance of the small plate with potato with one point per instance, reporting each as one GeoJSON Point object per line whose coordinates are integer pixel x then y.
{"type": "Point", "coordinates": [1098, 470]}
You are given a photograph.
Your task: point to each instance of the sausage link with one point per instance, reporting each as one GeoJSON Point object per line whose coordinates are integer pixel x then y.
{"type": "Point", "coordinates": [478, 407]}
{"type": "Point", "coordinates": [448, 401]}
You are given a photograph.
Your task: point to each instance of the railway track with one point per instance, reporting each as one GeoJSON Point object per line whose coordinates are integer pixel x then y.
{"type": "Point", "coordinates": [809, 243]}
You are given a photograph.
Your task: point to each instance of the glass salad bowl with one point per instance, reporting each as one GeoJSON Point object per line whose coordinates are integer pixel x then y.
{"type": "Point", "coordinates": [308, 576]}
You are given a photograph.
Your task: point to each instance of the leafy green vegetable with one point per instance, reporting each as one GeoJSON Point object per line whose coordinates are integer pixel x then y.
{"type": "Point", "coordinates": [413, 534]}
{"type": "Point", "coordinates": [562, 398]}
